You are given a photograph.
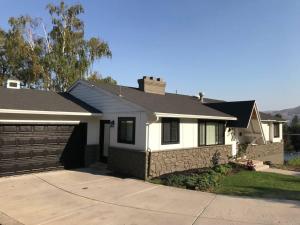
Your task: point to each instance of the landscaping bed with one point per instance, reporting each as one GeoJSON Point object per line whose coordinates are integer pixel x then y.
{"type": "Point", "coordinates": [230, 179]}
{"type": "Point", "coordinates": [198, 179]}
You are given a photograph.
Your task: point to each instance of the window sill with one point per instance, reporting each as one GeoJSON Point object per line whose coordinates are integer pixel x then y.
{"type": "Point", "coordinates": [171, 143]}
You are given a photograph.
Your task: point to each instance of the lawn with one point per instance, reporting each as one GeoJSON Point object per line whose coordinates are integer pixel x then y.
{"type": "Point", "coordinates": [260, 184]}
{"type": "Point", "coordinates": [234, 180]}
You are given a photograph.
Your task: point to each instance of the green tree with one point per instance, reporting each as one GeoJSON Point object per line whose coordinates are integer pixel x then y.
{"type": "Point", "coordinates": [21, 52]}
{"type": "Point", "coordinates": [97, 78]}
{"type": "Point", "coordinates": [294, 130]}
{"type": "Point", "coordinates": [71, 56]}
{"type": "Point", "coordinates": [2, 56]}
{"type": "Point", "coordinates": [51, 60]}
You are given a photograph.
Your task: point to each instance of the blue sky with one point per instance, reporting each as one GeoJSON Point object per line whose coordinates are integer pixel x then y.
{"type": "Point", "coordinates": [232, 50]}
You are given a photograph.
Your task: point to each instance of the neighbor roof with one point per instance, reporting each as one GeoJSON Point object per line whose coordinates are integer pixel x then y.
{"type": "Point", "coordinates": [242, 110]}
{"type": "Point", "coordinates": [37, 100]}
{"type": "Point", "coordinates": [268, 117]}
{"type": "Point", "coordinates": [168, 103]}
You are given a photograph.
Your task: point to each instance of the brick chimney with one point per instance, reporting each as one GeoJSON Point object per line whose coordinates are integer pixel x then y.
{"type": "Point", "coordinates": [152, 85]}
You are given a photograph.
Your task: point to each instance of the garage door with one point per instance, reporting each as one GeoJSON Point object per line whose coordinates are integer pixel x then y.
{"type": "Point", "coordinates": [29, 148]}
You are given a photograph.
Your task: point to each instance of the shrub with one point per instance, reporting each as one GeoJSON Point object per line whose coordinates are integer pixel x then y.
{"type": "Point", "coordinates": [208, 181]}
{"type": "Point", "coordinates": [294, 162]}
{"type": "Point", "coordinates": [223, 169]}
{"type": "Point", "coordinates": [202, 179]}
{"type": "Point", "coordinates": [176, 180]}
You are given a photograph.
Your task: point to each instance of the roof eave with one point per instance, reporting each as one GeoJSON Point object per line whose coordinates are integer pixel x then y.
{"type": "Point", "coordinates": [175, 115]}
{"type": "Point", "coordinates": [56, 113]}
{"type": "Point", "coordinates": [278, 121]}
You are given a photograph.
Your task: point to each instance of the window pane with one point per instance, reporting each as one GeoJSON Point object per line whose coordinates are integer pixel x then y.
{"type": "Point", "coordinates": [166, 132]}
{"type": "Point", "coordinates": [211, 133]}
{"type": "Point", "coordinates": [129, 131]}
{"type": "Point", "coordinates": [170, 131]}
{"type": "Point", "coordinates": [201, 133]}
{"type": "Point", "coordinates": [221, 136]}
{"type": "Point", "coordinates": [174, 131]}
{"type": "Point", "coordinates": [126, 130]}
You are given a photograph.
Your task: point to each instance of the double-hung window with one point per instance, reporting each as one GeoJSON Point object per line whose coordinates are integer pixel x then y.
{"type": "Point", "coordinates": [211, 133]}
{"type": "Point", "coordinates": [170, 131]}
{"type": "Point", "coordinates": [126, 130]}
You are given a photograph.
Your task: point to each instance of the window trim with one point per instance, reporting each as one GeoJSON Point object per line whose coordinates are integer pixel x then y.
{"type": "Point", "coordinates": [168, 119]}
{"type": "Point", "coordinates": [120, 119]}
{"type": "Point", "coordinates": [210, 121]}
{"type": "Point", "coordinates": [277, 124]}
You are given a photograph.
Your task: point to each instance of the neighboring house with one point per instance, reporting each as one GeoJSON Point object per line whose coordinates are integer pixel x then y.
{"type": "Point", "coordinates": [144, 131]}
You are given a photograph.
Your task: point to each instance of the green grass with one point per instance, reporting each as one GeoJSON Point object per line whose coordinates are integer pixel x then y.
{"type": "Point", "coordinates": [260, 184]}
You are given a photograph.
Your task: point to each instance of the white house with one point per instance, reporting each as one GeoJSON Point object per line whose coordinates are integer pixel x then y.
{"type": "Point", "coordinates": [148, 132]}
{"type": "Point", "coordinates": [141, 131]}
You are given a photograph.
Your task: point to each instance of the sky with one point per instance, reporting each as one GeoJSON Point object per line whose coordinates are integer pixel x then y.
{"type": "Point", "coordinates": [232, 50]}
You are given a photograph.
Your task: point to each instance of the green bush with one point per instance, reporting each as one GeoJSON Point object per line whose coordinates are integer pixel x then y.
{"type": "Point", "coordinates": [223, 169]}
{"type": "Point", "coordinates": [294, 162]}
{"type": "Point", "coordinates": [176, 180]}
{"type": "Point", "coordinates": [208, 180]}
{"type": "Point", "coordinates": [205, 179]}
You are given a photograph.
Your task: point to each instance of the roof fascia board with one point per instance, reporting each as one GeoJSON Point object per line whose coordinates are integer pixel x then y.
{"type": "Point", "coordinates": [277, 121]}
{"type": "Point", "coordinates": [40, 112]}
{"type": "Point", "coordinates": [172, 115]}
{"type": "Point", "coordinates": [259, 120]}
{"type": "Point", "coordinates": [39, 121]}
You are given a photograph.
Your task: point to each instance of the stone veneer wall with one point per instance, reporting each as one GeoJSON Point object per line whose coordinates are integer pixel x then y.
{"type": "Point", "coordinates": [128, 162]}
{"type": "Point", "coordinates": [163, 162]}
{"type": "Point", "coordinates": [273, 152]}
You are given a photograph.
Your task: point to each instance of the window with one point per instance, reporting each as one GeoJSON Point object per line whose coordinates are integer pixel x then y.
{"type": "Point", "coordinates": [211, 133]}
{"type": "Point", "coordinates": [170, 131]}
{"type": "Point", "coordinates": [126, 130]}
{"type": "Point", "coordinates": [276, 130]}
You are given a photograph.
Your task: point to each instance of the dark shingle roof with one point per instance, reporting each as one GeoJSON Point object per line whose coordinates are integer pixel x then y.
{"type": "Point", "coordinates": [29, 99]}
{"type": "Point", "coordinates": [169, 103]}
{"type": "Point", "coordinates": [241, 110]}
{"type": "Point", "coordinates": [265, 116]}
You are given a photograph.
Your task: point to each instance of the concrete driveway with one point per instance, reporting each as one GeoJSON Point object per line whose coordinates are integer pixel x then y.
{"type": "Point", "coordinates": [87, 197]}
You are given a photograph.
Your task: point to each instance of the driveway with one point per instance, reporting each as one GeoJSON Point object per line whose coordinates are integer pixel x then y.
{"type": "Point", "coordinates": [88, 197]}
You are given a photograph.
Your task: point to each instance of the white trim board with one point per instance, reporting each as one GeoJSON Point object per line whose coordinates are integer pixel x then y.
{"type": "Point", "coordinates": [172, 115]}
{"type": "Point", "coordinates": [37, 112]}
{"type": "Point", "coordinates": [39, 122]}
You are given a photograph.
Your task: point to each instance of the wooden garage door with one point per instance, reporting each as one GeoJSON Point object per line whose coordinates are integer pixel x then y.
{"type": "Point", "coordinates": [28, 148]}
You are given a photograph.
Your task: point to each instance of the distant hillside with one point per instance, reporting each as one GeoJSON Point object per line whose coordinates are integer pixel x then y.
{"type": "Point", "coordinates": [287, 114]}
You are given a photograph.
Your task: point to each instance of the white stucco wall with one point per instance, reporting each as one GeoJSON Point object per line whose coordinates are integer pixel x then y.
{"type": "Point", "coordinates": [140, 129]}
{"type": "Point", "coordinates": [188, 136]}
{"type": "Point", "coordinates": [113, 107]}
{"type": "Point", "coordinates": [268, 129]}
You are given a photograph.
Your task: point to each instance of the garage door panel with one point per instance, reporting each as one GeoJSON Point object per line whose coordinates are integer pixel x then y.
{"type": "Point", "coordinates": [29, 164]}
{"type": "Point", "coordinates": [26, 148]}
{"type": "Point", "coordinates": [17, 153]}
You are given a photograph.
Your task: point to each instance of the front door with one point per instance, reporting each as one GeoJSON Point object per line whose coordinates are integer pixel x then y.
{"type": "Point", "coordinates": [104, 139]}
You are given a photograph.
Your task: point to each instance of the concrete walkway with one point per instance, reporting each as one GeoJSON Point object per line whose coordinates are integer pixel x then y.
{"type": "Point", "coordinates": [86, 197]}
{"type": "Point", "coordinates": [281, 171]}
